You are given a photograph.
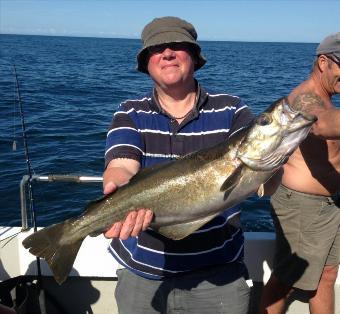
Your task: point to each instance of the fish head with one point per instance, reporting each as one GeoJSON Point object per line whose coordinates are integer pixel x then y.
{"type": "Point", "coordinates": [274, 136]}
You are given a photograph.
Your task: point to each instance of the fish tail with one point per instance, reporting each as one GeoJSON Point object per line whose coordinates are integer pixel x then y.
{"type": "Point", "coordinates": [57, 247]}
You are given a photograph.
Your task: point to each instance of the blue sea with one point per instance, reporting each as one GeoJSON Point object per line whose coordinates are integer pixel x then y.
{"type": "Point", "coordinates": [71, 86]}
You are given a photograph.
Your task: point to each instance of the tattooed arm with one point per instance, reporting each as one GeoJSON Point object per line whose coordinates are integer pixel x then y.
{"type": "Point", "coordinates": [307, 102]}
{"type": "Point", "coordinates": [328, 124]}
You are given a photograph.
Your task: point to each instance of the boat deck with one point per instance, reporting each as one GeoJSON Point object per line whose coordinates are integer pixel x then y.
{"type": "Point", "coordinates": [91, 284]}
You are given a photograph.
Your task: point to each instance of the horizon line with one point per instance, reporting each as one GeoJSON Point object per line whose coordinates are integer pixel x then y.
{"type": "Point", "coordinates": [137, 38]}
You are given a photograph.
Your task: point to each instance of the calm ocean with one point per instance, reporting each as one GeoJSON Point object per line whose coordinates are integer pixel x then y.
{"type": "Point", "coordinates": [69, 89]}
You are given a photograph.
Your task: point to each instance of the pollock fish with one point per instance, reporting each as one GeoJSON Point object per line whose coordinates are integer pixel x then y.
{"type": "Point", "coordinates": [186, 193]}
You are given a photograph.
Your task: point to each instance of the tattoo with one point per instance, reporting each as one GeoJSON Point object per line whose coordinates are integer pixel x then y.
{"type": "Point", "coordinates": [307, 102]}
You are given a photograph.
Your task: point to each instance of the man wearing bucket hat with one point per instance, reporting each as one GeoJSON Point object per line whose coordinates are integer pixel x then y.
{"type": "Point", "coordinates": [203, 273]}
{"type": "Point", "coordinates": [306, 207]}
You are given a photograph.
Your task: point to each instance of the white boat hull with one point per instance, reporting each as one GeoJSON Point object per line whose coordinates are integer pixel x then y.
{"type": "Point", "coordinates": [92, 281]}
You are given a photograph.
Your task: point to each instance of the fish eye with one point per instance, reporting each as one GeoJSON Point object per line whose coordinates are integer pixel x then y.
{"type": "Point", "coordinates": [264, 119]}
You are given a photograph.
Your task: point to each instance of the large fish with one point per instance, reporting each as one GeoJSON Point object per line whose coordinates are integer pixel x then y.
{"type": "Point", "coordinates": [186, 193]}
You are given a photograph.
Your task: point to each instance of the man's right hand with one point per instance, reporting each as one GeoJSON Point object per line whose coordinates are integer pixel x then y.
{"type": "Point", "coordinates": [119, 172]}
{"type": "Point", "coordinates": [134, 223]}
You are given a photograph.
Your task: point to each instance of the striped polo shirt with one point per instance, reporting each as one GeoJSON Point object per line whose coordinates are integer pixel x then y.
{"type": "Point", "coordinates": [142, 131]}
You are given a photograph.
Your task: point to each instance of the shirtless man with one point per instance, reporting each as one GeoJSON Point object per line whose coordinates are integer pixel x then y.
{"type": "Point", "coordinates": [306, 207]}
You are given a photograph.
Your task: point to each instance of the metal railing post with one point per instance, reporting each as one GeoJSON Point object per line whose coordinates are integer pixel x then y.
{"type": "Point", "coordinates": [48, 178]}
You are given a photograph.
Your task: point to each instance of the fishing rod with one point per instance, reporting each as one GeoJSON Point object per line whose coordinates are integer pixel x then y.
{"type": "Point", "coordinates": [27, 156]}
{"type": "Point", "coordinates": [42, 294]}
{"type": "Point", "coordinates": [29, 168]}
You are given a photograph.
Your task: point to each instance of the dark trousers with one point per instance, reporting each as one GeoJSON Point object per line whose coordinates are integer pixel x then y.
{"type": "Point", "coordinates": [221, 289]}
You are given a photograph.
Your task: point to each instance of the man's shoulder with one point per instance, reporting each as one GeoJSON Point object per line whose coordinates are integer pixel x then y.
{"type": "Point", "coordinates": [307, 90]}
{"type": "Point", "coordinates": [221, 99]}
{"type": "Point", "coordinates": [137, 103]}
{"type": "Point", "coordinates": [218, 96]}
{"type": "Point", "coordinates": [306, 99]}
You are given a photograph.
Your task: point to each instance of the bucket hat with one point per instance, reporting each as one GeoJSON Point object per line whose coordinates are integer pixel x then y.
{"type": "Point", "coordinates": [166, 30]}
{"type": "Point", "coordinates": [330, 45]}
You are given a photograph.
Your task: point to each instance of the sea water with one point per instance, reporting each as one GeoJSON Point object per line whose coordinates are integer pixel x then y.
{"type": "Point", "coordinates": [69, 89]}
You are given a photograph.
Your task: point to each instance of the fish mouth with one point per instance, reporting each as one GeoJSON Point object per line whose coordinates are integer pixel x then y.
{"type": "Point", "coordinates": [279, 156]}
{"type": "Point", "coordinates": [298, 118]}
{"type": "Point", "coordinates": [300, 124]}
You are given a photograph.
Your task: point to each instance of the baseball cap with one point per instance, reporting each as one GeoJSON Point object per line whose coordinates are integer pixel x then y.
{"type": "Point", "coordinates": [330, 45]}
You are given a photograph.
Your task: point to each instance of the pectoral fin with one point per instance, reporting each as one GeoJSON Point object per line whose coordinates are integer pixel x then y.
{"type": "Point", "coordinates": [231, 182]}
{"type": "Point", "coordinates": [180, 231]}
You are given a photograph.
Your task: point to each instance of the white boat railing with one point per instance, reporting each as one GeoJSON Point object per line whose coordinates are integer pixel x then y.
{"type": "Point", "coordinates": [47, 178]}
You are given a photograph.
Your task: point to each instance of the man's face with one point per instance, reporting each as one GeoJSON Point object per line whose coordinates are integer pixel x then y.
{"type": "Point", "coordinates": [331, 73]}
{"type": "Point", "coordinates": [171, 64]}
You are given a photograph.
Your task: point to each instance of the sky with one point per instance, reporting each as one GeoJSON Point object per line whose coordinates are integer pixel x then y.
{"type": "Point", "coordinates": [265, 20]}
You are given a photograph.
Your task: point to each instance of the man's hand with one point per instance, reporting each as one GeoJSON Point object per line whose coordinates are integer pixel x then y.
{"type": "Point", "coordinates": [134, 223]}
{"type": "Point", "coordinates": [118, 173]}
{"type": "Point", "coordinates": [328, 124]}
{"type": "Point", "coordinates": [109, 188]}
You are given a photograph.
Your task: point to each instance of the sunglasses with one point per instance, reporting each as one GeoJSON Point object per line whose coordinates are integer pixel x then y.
{"type": "Point", "coordinates": [335, 59]}
{"type": "Point", "coordinates": [173, 46]}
